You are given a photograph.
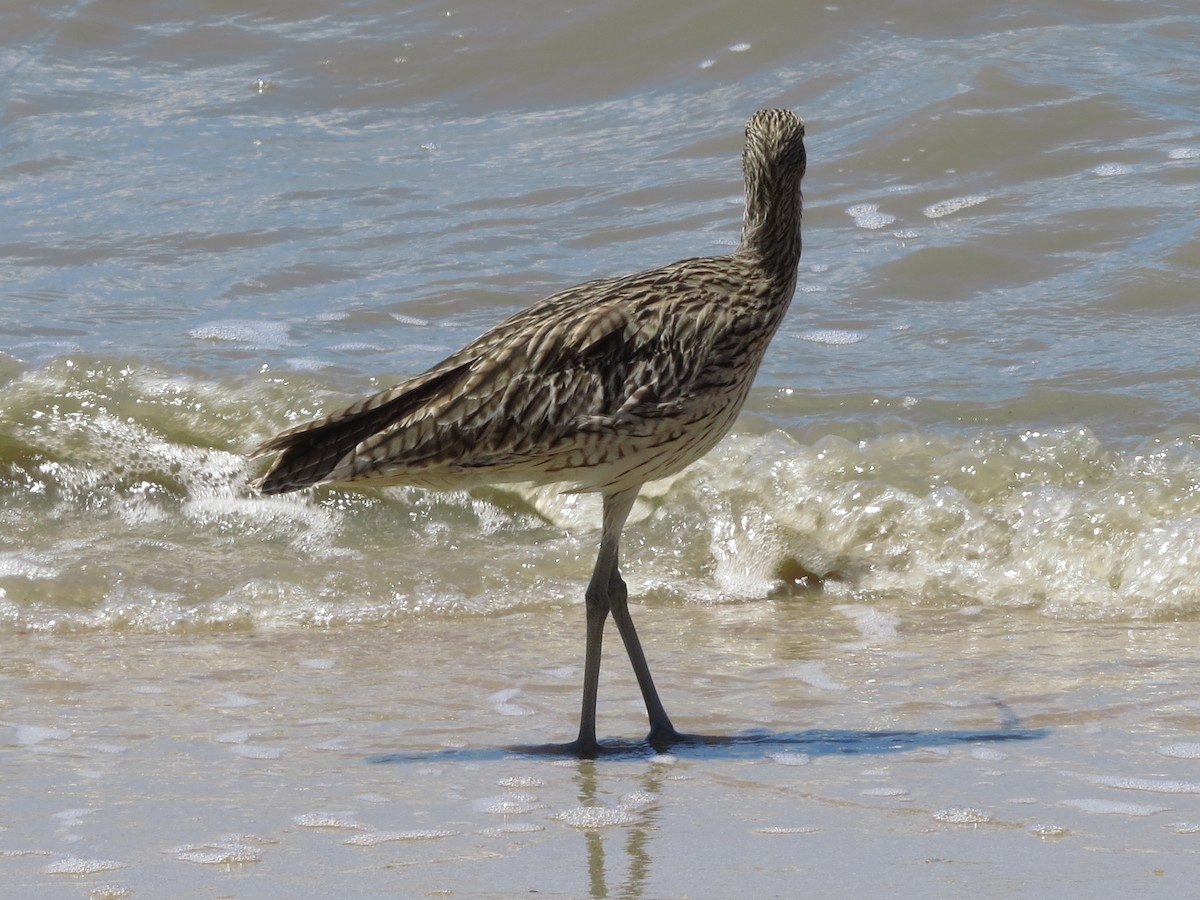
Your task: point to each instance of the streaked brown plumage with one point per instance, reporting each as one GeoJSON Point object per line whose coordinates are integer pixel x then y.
{"type": "Point", "coordinates": [603, 386]}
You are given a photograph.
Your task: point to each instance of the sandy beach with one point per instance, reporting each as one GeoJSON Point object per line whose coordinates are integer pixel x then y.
{"type": "Point", "coordinates": [906, 752]}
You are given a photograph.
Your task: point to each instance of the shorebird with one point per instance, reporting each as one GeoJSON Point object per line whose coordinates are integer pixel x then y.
{"type": "Point", "coordinates": [603, 387]}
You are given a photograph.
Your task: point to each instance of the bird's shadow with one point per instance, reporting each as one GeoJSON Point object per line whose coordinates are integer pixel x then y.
{"type": "Point", "coordinates": [754, 744]}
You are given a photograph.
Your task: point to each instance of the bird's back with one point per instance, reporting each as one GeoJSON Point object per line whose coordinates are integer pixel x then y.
{"type": "Point", "coordinates": [607, 384]}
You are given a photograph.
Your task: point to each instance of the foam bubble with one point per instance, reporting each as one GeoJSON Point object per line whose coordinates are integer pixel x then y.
{"type": "Point", "coordinates": [74, 865]}
{"type": "Point", "coordinates": [867, 215]}
{"type": "Point", "coordinates": [988, 754]}
{"type": "Point", "coordinates": [875, 626]}
{"type": "Point", "coordinates": [327, 820]}
{"type": "Point", "coordinates": [587, 818]}
{"type": "Point", "coordinates": [502, 705]}
{"type": "Point", "coordinates": [256, 751]}
{"type": "Point", "coordinates": [1153, 785]}
{"type": "Point", "coordinates": [1046, 830]}
{"type": "Point", "coordinates": [785, 829]}
{"type": "Point", "coordinates": [1181, 750]}
{"type": "Point", "coordinates": [832, 336]}
{"type": "Point", "coordinates": [511, 828]}
{"type": "Point", "coordinates": [638, 800]}
{"type": "Point", "coordinates": [258, 334]}
{"type": "Point", "coordinates": [1115, 807]}
{"type": "Point", "coordinates": [221, 854]}
{"type": "Point", "coordinates": [953, 205]}
{"type": "Point", "coordinates": [1184, 153]}
{"type": "Point", "coordinates": [789, 758]}
{"type": "Point", "coordinates": [30, 735]}
{"type": "Point", "coordinates": [375, 838]}
{"type": "Point", "coordinates": [109, 892]}
{"type": "Point", "coordinates": [814, 675]}
{"type": "Point", "coordinates": [962, 815]}
{"type": "Point", "coordinates": [1108, 170]}
{"type": "Point", "coordinates": [514, 803]}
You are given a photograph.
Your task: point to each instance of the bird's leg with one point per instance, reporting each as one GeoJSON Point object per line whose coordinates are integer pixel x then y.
{"type": "Point", "coordinates": [616, 511]}
{"type": "Point", "coordinates": [597, 614]}
{"type": "Point", "coordinates": [662, 732]}
{"type": "Point", "coordinates": [598, 597]}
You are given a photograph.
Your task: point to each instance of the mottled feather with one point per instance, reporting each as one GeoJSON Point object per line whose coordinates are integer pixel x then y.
{"type": "Point", "coordinates": [603, 386]}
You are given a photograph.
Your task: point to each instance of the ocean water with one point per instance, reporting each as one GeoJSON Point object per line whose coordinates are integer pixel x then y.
{"type": "Point", "coordinates": [218, 221]}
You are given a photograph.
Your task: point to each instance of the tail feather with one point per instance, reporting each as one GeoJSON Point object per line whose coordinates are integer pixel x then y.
{"type": "Point", "coordinates": [309, 452]}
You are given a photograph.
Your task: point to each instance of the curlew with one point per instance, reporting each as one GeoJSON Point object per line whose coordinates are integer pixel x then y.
{"type": "Point", "coordinates": [603, 387]}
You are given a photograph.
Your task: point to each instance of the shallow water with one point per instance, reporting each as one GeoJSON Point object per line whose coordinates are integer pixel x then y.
{"type": "Point", "coordinates": [218, 224]}
{"type": "Point", "coordinates": [877, 753]}
{"type": "Point", "coordinates": [965, 481]}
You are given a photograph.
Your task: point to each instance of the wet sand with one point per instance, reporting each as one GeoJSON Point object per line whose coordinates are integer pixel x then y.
{"type": "Point", "coordinates": [917, 752]}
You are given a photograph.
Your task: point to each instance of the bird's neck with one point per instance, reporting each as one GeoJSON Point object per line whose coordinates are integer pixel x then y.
{"type": "Point", "coordinates": [771, 228]}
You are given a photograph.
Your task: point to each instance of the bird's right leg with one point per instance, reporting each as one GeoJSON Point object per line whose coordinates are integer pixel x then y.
{"type": "Point", "coordinates": [599, 604]}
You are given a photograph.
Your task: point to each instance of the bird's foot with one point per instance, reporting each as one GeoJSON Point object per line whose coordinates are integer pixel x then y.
{"type": "Point", "coordinates": [578, 748]}
{"type": "Point", "coordinates": [663, 737]}
{"type": "Point", "coordinates": [582, 749]}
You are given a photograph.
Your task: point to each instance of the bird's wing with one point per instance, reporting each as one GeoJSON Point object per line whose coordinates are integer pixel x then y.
{"type": "Point", "coordinates": [606, 356]}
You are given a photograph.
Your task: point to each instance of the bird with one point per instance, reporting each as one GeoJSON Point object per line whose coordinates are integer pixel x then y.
{"type": "Point", "coordinates": [600, 387]}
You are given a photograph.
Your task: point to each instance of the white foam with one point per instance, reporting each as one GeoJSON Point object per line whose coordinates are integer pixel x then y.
{"type": "Point", "coordinates": [259, 334]}
{"type": "Point", "coordinates": [867, 215]}
{"type": "Point", "coordinates": [256, 751]}
{"type": "Point", "coordinates": [74, 865]}
{"type": "Point", "coordinates": [1181, 750]}
{"type": "Point", "coordinates": [814, 675]}
{"type": "Point", "coordinates": [953, 205]}
{"type": "Point", "coordinates": [1153, 785]}
{"type": "Point", "coordinates": [327, 820]}
{"type": "Point", "coordinates": [587, 818]}
{"type": "Point", "coordinates": [789, 758]}
{"type": "Point", "coordinates": [1047, 830]}
{"type": "Point", "coordinates": [1184, 153]}
{"type": "Point", "coordinates": [786, 829]}
{"type": "Point", "coordinates": [511, 828]}
{"type": "Point", "coordinates": [1115, 807]}
{"type": "Point", "coordinates": [988, 754]}
{"type": "Point", "coordinates": [962, 815]}
{"type": "Point", "coordinates": [501, 703]}
{"type": "Point", "coordinates": [832, 336]}
{"type": "Point", "coordinates": [1108, 170]}
{"type": "Point", "coordinates": [638, 799]}
{"type": "Point", "coordinates": [109, 892]}
{"type": "Point", "coordinates": [875, 626]}
{"type": "Point", "coordinates": [514, 803]}
{"type": "Point", "coordinates": [375, 838]}
{"type": "Point", "coordinates": [224, 853]}
{"type": "Point", "coordinates": [231, 700]}
{"type": "Point", "coordinates": [30, 735]}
